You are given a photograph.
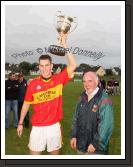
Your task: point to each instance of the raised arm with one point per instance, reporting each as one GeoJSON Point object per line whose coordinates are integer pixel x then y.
{"type": "Point", "coordinates": [71, 60]}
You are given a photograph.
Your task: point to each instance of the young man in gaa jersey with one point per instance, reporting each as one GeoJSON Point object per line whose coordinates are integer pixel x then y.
{"type": "Point", "coordinates": [45, 94]}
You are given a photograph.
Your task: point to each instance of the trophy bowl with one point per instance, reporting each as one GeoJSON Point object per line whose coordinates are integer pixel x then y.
{"type": "Point", "coordinates": [63, 24]}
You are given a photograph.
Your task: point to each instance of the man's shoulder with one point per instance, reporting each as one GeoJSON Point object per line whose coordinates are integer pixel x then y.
{"type": "Point", "coordinates": [104, 94]}
{"type": "Point", "coordinates": [83, 96]}
{"type": "Point", "coordinates": [62, 70]}
{"type": "Point", "coordinates": [59, 75]}
{"type": "Point", "coordinates": [33, 80]}
{"type": "Point", "coordinates": [105, 99]}
{"type": "Point", "coordinates": [24, 80]}
{"type": "Point", "coordinates": [7, 80]}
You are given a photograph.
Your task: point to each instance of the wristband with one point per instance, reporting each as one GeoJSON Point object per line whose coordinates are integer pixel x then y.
{"type": "Point", "coordinates": [20, 124]}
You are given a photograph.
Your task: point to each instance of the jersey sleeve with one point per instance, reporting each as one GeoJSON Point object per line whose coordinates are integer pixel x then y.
{"type": "Point", "coordinates": [65, 75]}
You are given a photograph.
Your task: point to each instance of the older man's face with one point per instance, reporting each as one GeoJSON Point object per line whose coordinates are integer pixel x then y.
{"type": "Point", "coordinates": [90, 82]}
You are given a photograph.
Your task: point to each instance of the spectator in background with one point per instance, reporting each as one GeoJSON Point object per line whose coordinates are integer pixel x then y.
{"type": "Point", "coordinates": [11, 99]}
{"type": "Point", "coordinates": [116, 87]}
{"type": "Point", "coordinates": [102, 84]}
{"type": "Point", "coordinates": [110, 86]}
{"type": "Point", "coordinates": [22, 89]}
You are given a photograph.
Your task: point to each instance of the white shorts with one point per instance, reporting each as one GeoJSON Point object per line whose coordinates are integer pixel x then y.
{"type": "Point", "coordinates": [49, 136]}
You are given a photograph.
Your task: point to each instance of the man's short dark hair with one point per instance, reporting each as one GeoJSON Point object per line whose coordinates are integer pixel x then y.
{"type": "Point", "coordinates": [45, 57]}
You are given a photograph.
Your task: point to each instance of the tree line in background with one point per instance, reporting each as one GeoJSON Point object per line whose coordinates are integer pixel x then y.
{"type": "Point", "coordinates": [26, 67]}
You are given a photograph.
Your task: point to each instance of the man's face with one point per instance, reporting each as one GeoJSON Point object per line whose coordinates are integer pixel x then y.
{"type": "Point", "coordinates": [21, 79]}
{"type": "Point", "coordinates": [45, 67]}
{"type": "Point", "coordinates": [90, 83]}
{"type": "Point", "coordinates": [13, 77]}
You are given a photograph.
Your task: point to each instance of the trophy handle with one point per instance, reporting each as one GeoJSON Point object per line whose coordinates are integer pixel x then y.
{"type": "Point", "coordinates": [56, 15]}
{"type": "Point", "coordinates": [76, 23]}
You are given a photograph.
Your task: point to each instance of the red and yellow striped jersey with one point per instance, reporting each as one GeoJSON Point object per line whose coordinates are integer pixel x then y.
{"type": "Point", "coordinates": [46, 98]}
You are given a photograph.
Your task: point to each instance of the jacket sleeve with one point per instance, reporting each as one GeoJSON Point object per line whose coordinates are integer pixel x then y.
{"type": "Point", "coordinates": [74, 123]}
{"type": "Point", "coordinates": [105, 127]}
{"type": "Point", "coordinates": [6, 86]}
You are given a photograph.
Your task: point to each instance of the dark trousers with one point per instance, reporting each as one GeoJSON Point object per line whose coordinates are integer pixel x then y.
{"type": "Point", "coordinates": [26, 120]}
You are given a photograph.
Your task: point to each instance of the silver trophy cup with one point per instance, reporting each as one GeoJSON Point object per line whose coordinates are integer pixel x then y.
{"type": "Point", "coordinates": [64, 24]}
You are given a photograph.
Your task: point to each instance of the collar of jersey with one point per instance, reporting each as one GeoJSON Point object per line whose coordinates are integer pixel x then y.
{"type": "Point", "coordinates": [44, 79]}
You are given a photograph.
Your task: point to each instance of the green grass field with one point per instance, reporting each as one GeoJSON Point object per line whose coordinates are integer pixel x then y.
{"type": "Point", "coordinates": [71, 92]}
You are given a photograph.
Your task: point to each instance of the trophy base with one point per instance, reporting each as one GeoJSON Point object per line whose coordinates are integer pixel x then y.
{"type": "Point", "coordinates": [57, 50]}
